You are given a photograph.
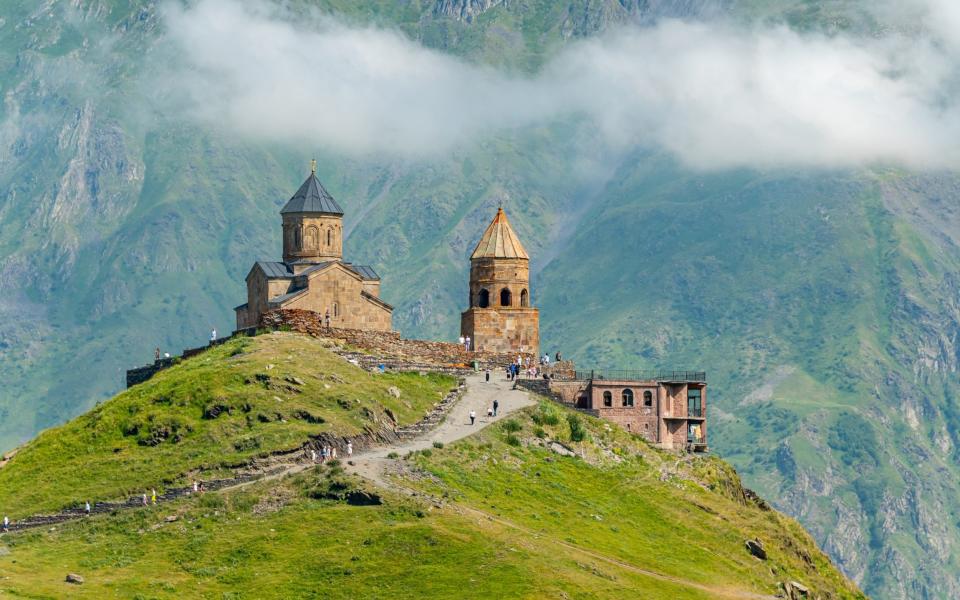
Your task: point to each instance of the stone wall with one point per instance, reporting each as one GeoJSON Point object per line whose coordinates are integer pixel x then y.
{"type": "Point", "coordinates": [386, 347]}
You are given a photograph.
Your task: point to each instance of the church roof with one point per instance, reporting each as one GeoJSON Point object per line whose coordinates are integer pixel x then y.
{"type": "Point", "coordinates": [275, 270]}
{"type": "Point", "coordinates": [312, 197]}
{"type": "Point", "coordinates": [499, 240]}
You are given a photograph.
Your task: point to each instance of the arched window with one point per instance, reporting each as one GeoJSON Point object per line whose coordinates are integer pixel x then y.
{"type": "Point", "coordinates": [648, 398]}
{"type": "Point", "coordinates": [298, 238]}
{"type": "Point", "coordinates": [607, 399]}
{"type": "Point", "coordinates": [329, 237]}
{"type": "Point", "coordinates": [483, 298]}
{"type": "Point", "coordinates": [336, 310]}
{"type": "Point", "coordinates": [312, 238]}
{"type": "Point", "coordinates": [524, 298]}
{"type": "Point", "coordinates": [505, 297]}
{"type": "Point", "coordinates": [627, 397]}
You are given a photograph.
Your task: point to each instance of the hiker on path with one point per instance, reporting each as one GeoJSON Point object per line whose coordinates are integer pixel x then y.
{"type": "Point", "coordinates": [153, 496]}
{"type": "Point", "coordinates": [6, 523]}
{"type": "Point", "coordinates": [473, 416]}
{"type": "Point", "coordinates": [468, 343]}
{"type": "Point", "coordinates": [490, 412]}
{"type": "Point", "coordinates": [213, 334]}
{"type": "Point", "coordinates": [496, 405]}
{"type": "Point", "coordinates": [333, 453]}
{"type": "Point", "coordinates": [349, 449]}
{"type": "Point", "coordinates": [323, 454]}
{"type": "Point", "coordinates": [156, 353]}
{"type": "Point", "coordinates": [462, 340]}
{"type": "Point", "coordinates": [144, 499]}
{"type": "Point", "coordinates": [487, 375]}
{"type": "Point", "coordinates": [313, 455]}
{"type": "Point", "coordinates": [326, 318]}
{"type": "Point", "coordinates": [87, 507]}
{"type": "Point", "coordinates": [196, 486]}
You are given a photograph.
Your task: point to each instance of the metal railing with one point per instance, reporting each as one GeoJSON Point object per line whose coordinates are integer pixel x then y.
{"type": "Point", "coordinates": [643, 375]}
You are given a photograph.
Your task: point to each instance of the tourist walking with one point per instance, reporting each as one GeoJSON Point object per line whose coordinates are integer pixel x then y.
{"type": "Point", "coordinates": [156, 353]}
{"type": "Point", "coordinates": [496, 405]}
{"type": "Point", "coordinates": [323, 454]}
{"type": "Point", "coordinates": [333, 453]}
{"type": "Point", "coordinates": [144, 499]}
{"type": "Point", "coordinates": [313, 455]}
{"type": "Point", "coordinates": [462, 340]}
{"type": "Point", "coordinates": [213, 334]}
{"type": "Point", "coordinates": [196, 486]}
{"type": "Point", "coordinates": [558, 357]}
{"type": "Point", "coordinates": [467, 342]}
{"type": "Point", "coordinates": [153, 496]}
{"type": "Point", "coordinates": [349, 449]}
{"type": "Point", "coordinates": [473, 416]}
{"type": "Point", "coordinates": [6, 523]}
{"type": "Point", "coordinates": [87, 507]}
{"type": "Point", "coordinates": [326, 318]}
{"type": "Point", "coordinates": [487, 375]}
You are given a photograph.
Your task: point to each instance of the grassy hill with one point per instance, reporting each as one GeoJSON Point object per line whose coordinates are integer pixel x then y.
{"type": "Point", "coordinates": [247, 398]}
{"type": "Point", "coordinates": [498, 514]}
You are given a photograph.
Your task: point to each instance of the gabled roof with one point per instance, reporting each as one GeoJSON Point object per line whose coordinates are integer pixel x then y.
{"type": "Point", "coordinates": [499, 240]}
{"type": "Point", "coordinates": [364, 271]}
{"type": "Point", "coordinates": [288, 296]}
{"type": "Point", "coordinates": [273, 270]}
{"type": "Point", "coordinates": [312, 197]}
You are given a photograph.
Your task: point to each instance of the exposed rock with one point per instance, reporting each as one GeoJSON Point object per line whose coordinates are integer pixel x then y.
{"type": "Point", "coordinates": [390, 415]}
{"type": "Point", "coordinates": [561, 449]}
{"type": "Point", "coordinates": [755, 547]}
{"type": "Point", "coordinates": [394, 391]}
{"type": "Point", "coordinates": [795, 590]}
{"type": "Point", "coordinates": [74, 578]}
{"type": "Point", "coordinates": [171, 518]}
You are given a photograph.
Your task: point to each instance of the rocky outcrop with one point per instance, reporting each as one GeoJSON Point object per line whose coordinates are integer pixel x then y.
{"type": "Point", "coordinates": [464, 10]}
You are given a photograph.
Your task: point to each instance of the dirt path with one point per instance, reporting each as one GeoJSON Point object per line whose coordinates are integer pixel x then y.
{"type": "Point", "coordinates": [479, 397]}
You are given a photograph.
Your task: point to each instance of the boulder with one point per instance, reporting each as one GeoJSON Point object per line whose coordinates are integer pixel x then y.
{"type": "Point", "coordinates": [170, 518]}
{"type": "Point", "coordinates": [394, 391]}
{"type": "Point", "coordinates": [561, 449]}
{"type": "Point", "coordinates": [796, 590]}
{"type": "Point", "coordinates": [74, 578]}
{"type": "Point", "coordinates": [755, 547]}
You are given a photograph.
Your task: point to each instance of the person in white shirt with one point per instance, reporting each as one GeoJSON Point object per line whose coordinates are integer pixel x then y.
{"type": "Point", "coordinates": [349, 449]}
{"type": "Point", "coordinates": [6, 523]}
{"type": "Point", "coordinates": [213, 334]}
{"type": "Point", "coordinates": [473, 416]}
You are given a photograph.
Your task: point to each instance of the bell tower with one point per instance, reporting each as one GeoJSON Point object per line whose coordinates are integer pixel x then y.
{"type": "Point", "coordinates": [500, 317]}
{"type": "Point", "coordinates": [312, 224]}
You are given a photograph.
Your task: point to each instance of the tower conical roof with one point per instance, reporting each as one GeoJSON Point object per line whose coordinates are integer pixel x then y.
{"type": "Point", "coordinates": [312, 197]}
{"type": "Point", "coordinates": [499, 240]}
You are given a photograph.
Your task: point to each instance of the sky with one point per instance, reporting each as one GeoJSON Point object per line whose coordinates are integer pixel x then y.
{"type": "Point", "coordinates": [715, 94]}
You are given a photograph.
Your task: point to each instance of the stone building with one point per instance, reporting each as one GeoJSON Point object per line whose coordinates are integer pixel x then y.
{"type": "Point", "coordinates": [313, 275]}
{"type": "Point", "coordinates": [668, 408]}
{"type": "Point", "coordinates": [500, 317]}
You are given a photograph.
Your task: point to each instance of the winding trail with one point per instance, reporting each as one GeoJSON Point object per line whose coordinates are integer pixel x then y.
{"type": "Point", "coordinates": [478, 397]}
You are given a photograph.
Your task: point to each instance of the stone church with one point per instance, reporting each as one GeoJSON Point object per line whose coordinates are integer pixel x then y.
{"type": "Point", "coordinates": [313, 275]}
{"type": "Point", "coordinates": [500, 317]}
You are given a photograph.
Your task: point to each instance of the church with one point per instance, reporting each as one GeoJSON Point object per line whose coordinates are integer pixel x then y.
{"type": "Point", "coordinates": [313, 275]}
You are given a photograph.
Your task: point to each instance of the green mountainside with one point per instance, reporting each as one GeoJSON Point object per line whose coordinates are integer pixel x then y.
{"type": "Point", "coordinates": [497, 514]}
{"type": "Point", "coordinates": [822, 304]}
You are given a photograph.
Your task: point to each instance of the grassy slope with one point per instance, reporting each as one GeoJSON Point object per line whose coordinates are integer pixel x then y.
{"type": "Point", "coordinates": [157, 433]}
{"type": "Point", "coordinates": [518, 521]}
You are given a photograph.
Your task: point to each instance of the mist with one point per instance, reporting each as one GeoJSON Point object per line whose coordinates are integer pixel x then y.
{"type": "Point", "coordinates": [716, 95]}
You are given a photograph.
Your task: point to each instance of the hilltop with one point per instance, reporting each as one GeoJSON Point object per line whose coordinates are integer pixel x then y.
{"type": "Point", "coordinates": [543, 502]}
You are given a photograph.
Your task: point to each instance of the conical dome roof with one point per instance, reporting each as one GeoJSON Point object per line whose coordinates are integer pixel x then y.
{"type": "Point", "coordinates": [500, 240]}
{"type": "Point", "coordinates": [312, 197]}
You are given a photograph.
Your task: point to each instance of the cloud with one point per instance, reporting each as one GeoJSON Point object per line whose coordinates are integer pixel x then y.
{"type": "Point", "coordinates": [716, 95]}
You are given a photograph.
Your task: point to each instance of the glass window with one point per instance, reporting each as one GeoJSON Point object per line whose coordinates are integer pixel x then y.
{"type": "Point", "coordinates": [607, 399]}
{"type": "Point", "coordinates": [627, 397]}
{"type": "Point", "coordinates": [694, 407]}
{"type": "Point", "coordinates": [648, 398]}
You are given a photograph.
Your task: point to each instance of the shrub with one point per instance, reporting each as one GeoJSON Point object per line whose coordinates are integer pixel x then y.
{"type": "Point", "coordinates": [426, 453]}
{"type": "Point", "coordinates": [577, 432]}
{"type": "Point", "coordinates": [393, 455]}
{"type": "Point", "coordinates": [537, 418]}
{"type": "Point", "coordinates": [513, 440]}
{"type": "Point", "coordinates": [512, 426]}
{"type": "Point", "coordinates": [438, 444]}
{"type": "Point", "coordinates": [539, 432]}
{"type": "Point", "coordinates": [550, 418]}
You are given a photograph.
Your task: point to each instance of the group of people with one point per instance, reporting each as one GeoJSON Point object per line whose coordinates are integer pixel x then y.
{"type": "Point", "coordinates": [465, 342]}
{"type": "Point", "coordinates": [328, 453]}
{"type": "Point", "coordinates": [491, 412]}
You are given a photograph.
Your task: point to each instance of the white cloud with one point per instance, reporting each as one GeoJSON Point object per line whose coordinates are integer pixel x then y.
{"type": "Point", "coordinates": [715, 95]}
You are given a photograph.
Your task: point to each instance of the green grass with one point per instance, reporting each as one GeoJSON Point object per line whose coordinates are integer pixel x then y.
{"type": "Point", "coordinates": [515, 522]}
{"type": "Point", "coordinates": [247, 398]}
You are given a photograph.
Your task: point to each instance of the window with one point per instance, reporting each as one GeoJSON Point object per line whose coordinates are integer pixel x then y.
{"type": "Point", "coordinates": [648, 398]}
{"type": "Point", "coordinates": [505, 297]}
{"type": "Point", "coordinates": [329, 237]}
{"type": "Point", "coordinates": [607, 399]}
{"type": "Point", "coordinates": [336, 310]}
{"type": "Point", "coordinates": [312, 238]}
{"type": "Point", "coordinates": [483, 299]}
{"type": "Point", "coordinates": [627, 397]}
{"type": "Point", "coordinates": [694, 407]}
{"type": "Point", "coordinates": [524, 299]}
{"type": "Point", "coordinates": [298, 238]}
